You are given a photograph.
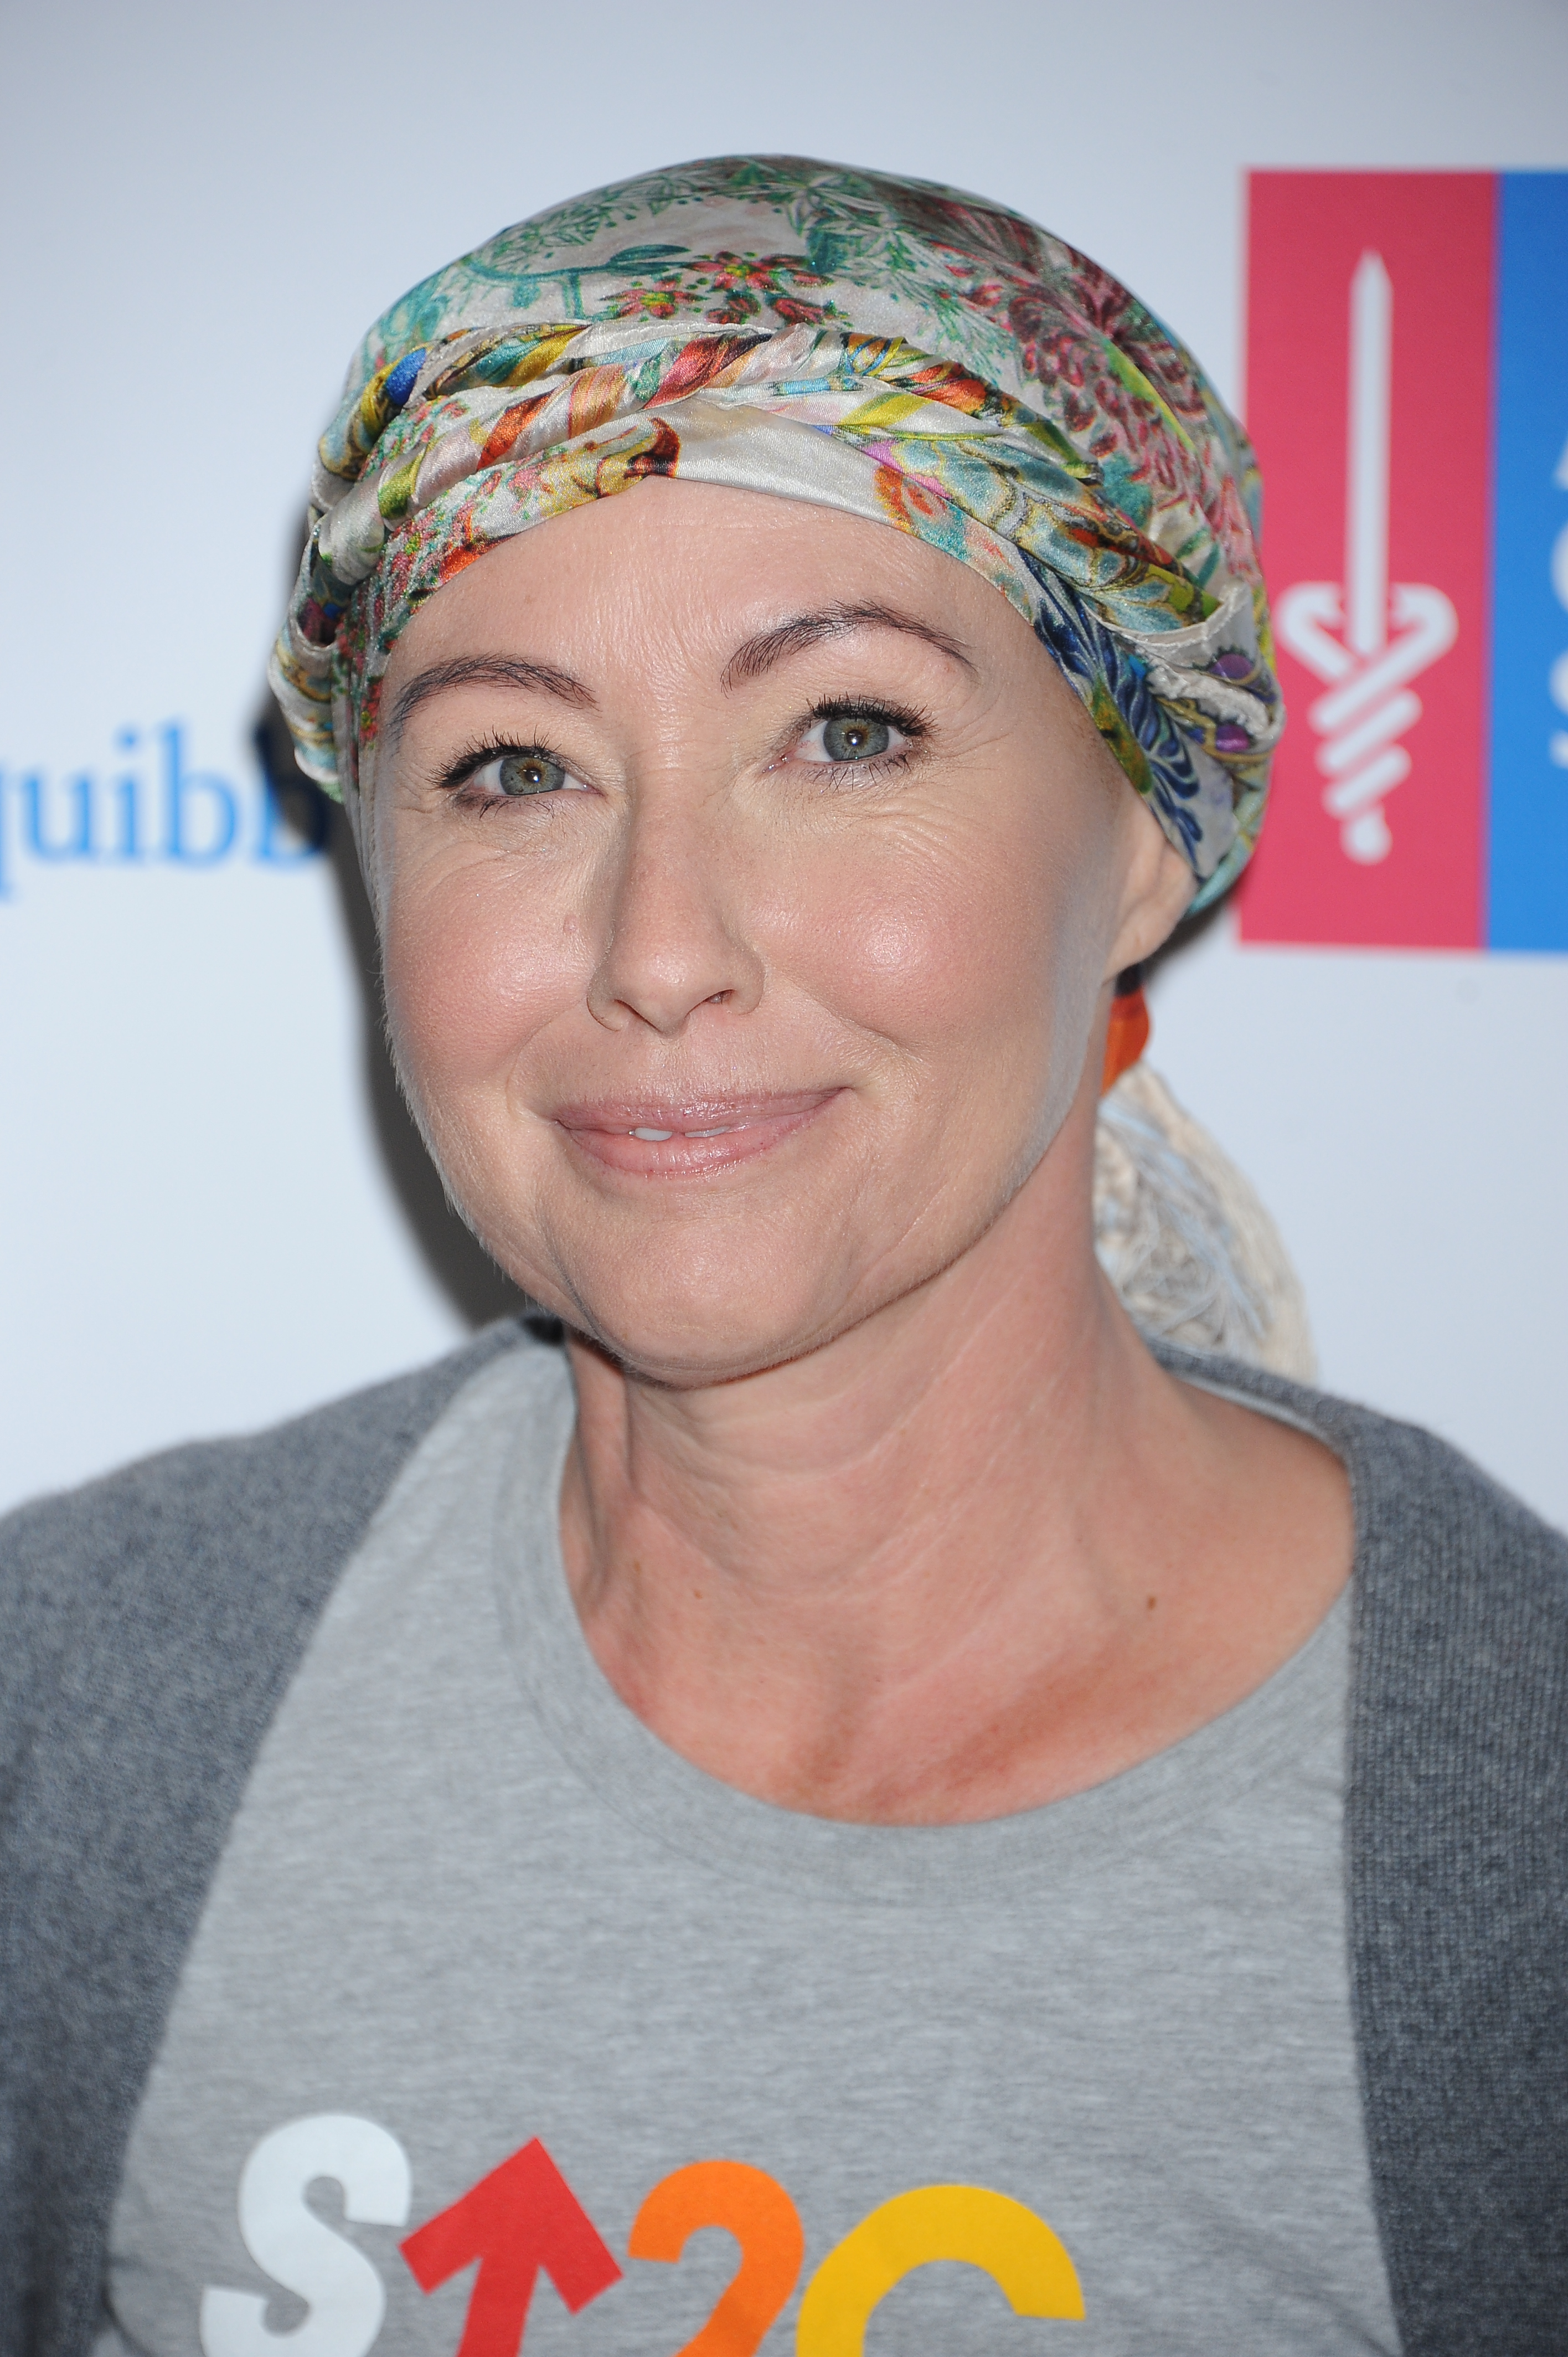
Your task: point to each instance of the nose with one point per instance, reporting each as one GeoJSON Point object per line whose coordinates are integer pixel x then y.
{"type": "Point", "coordinates": [673, 937]}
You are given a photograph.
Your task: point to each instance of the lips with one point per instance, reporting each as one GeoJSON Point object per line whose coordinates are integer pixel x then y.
{"type": "Point", "coordinates": [656, 1137]}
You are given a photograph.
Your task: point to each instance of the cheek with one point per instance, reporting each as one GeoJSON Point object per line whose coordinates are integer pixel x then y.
{"type": "Point", "coordinates": [946, 938]}
{"type": "Point", "coordinates": [476, 964]}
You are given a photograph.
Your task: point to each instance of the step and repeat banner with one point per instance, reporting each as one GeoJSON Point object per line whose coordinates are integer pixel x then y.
{"type": "Point", "coordinates": [215, 1213]}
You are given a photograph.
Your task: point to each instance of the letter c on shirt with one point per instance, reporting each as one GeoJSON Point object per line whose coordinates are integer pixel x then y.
{"type": "Point", "coordinates": [1013, 2244]}
{"type": "Point", "coordinates": [299, 2251]}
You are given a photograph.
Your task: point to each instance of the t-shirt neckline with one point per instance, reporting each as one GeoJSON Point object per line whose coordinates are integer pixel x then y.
{"type": "Point", "coordinates": [635, 1774]}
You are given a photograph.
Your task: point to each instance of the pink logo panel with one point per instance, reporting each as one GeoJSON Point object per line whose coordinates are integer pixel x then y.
{"type": "Point", "coordinates": [1368, 398]}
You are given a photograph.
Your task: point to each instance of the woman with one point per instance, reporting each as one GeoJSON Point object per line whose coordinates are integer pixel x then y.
{"type": "Point", "coordinates": [857, 1748]}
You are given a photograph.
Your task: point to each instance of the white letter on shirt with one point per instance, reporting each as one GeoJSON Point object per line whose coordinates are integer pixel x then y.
{"type": "Point", "coordinates": [285, 2237]}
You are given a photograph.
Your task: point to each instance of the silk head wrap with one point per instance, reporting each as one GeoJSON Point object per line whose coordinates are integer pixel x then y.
{"type": "Point", "coordinates": [888, 347]}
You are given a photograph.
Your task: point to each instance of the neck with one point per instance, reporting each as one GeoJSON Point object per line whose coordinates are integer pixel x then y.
{"type": "Point", "coordinates": [897, 1578]}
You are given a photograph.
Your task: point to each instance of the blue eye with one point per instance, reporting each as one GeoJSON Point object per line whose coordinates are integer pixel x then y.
{"type": "Point", "coordinates": [510, 776]}
{"type": "Point", "coordinates": [841, 738]}
{"type": "Point", "coordinates": [529, 774]}
{"type": "Point", "coordinates": [854, 736]}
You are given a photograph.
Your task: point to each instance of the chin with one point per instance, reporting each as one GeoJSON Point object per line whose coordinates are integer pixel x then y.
{"type": "Point", "coordinates": [685, 1320]}
{"type": "Point", "coordinates": [694, 1358]}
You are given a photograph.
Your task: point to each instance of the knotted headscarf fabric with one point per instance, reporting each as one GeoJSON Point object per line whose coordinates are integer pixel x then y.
{"type": "Point", "coordinates": [886, 347]}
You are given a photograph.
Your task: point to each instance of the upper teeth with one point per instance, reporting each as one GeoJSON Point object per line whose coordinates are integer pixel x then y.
{"type": "Point", "coordinates": [658, 1136]}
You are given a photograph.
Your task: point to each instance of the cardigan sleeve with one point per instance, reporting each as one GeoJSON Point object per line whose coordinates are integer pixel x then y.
{"type": "Point", "coordinates": [149, 1625]}
{"type": "Point", "coordinates": [1456, 1863]}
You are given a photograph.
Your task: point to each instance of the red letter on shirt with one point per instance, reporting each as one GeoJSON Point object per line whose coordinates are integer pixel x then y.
{"type": "Point", "coordinates": [521, 2217]}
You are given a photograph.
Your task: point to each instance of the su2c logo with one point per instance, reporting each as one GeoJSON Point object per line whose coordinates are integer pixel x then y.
{"type": "Point", "coordinates": [524, 2217]}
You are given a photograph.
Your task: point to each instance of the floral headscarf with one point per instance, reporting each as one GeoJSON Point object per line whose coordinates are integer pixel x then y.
{"type": "Point", "coordinates": [888, 347]}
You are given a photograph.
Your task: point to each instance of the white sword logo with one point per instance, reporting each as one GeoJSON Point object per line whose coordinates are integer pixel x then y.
{"type": "Point", "coordinates": [1369, 638]}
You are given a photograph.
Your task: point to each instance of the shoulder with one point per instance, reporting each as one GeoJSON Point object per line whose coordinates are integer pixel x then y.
{"type": "Point", "coordinates": [325, 1461]}
{"type": "Point", "coordinates": [212, 1544]}
{"type": "Point", "coordinates": [1428, 1520]}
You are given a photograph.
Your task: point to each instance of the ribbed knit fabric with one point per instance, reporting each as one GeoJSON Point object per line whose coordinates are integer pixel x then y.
{"type": "Point", "coordinates": [150, 1623]}
{"type": "Point", "coordinates": [1457, 1852]}
{"type": "Point", "coordinates": [1457, 1857]}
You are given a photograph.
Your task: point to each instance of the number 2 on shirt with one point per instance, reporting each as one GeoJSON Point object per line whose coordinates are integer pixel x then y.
{"type": "Point", "coordinates": [764, 2223]}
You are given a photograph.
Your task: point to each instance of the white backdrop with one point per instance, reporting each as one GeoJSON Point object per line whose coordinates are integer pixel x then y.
{"type": "Point", "coordinates": [213, 1214]}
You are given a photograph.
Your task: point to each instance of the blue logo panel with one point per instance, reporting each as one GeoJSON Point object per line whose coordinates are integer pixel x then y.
{"type": "Point", "coordinates": [1528, 881]}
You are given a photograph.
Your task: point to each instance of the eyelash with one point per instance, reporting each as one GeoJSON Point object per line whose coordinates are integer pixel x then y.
{"type": "Point", "coordinates": [911, 725]}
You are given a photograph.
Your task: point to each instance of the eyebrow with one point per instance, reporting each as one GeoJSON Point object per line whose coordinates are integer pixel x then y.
{"type": "Point", "coordinates": [757, 655]}
{"type": "Point", "coordinates": [482, 671]}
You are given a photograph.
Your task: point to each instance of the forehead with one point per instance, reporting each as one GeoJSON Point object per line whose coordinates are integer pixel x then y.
{"type": "Point", "coordinates": [705, 569]}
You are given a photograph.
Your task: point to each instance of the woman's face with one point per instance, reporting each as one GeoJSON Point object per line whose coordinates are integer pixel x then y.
{"type": "Point", "coordinates": [749, 878]}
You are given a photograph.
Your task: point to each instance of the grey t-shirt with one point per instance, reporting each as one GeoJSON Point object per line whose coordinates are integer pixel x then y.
{"type": "Point", "coordinates": [486, 1969]}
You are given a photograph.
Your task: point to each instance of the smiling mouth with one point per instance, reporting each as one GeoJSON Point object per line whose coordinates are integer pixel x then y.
{"type": "Point", "coordinates": [653, 1140]}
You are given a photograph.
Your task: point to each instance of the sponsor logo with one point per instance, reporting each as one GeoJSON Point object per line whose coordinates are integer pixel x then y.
{"type": "Point", "coordinates": [1366, 639]}
{"type": "Point", "coordinates": [523, 2220]}
{"type": "Point", "coordinates": [151, 802]}
{"type": "Point", "coordinates": [1408, 394]}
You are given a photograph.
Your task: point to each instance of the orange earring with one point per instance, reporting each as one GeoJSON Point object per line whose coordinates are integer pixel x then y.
{"type": "Point", "coordinates": [1129, 1033]}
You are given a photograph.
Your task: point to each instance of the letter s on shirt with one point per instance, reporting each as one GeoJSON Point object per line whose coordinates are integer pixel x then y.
{"type": "Point", "coordinates": [299, 2251]}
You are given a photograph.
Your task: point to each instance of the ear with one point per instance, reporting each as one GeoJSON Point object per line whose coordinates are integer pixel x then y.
{"type": "Point", "coordinates": [1157, 887]}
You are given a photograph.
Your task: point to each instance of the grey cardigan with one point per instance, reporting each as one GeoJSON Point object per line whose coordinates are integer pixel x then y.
{"type": "Point", "coordinates": [150, 1622]}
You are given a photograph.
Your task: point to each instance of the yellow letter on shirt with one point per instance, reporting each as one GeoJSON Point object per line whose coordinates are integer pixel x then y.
{"type": "Point", "coordinates": [936, 2222]}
